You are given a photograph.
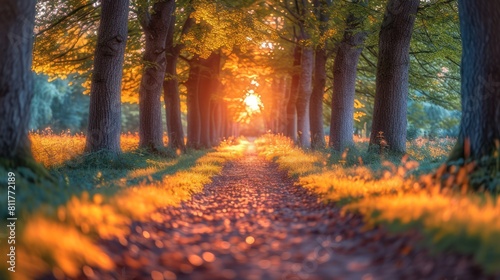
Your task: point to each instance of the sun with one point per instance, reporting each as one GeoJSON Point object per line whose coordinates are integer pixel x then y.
{"type": "Point", "coordinates": [253, 102]}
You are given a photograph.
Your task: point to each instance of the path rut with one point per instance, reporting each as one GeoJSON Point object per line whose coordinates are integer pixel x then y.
{"type": "Point", "coordinates": [252, 222]}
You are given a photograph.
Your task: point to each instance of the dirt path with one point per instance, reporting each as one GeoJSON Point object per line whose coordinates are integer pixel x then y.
{"type": "Point", "coordinates": [251, 222]}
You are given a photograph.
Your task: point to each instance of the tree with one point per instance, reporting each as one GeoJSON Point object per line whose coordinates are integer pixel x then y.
{"type": "Point", "coordinates": [344, 83]}
{"type": "Point", "coordinates": [156, 26]}
{"type": "Point", "coordinates": [208, 75]}
{"type": "Point", "coordinates": [291, 107]}
{"type": "Point", "coordinates": [221, 27]}
{"type": "Point", "coordinates": [171, 84]}
{"type": "Point", "coordinates": [389, 115]}
{"type": "Point", "coordinates": [319, 79]}
{"type": "Point", "coordinates": [305, 76]}
{"type": "Point", "coordinates": [16, 79]}
{"type": "Point", "coordinates": [304, 95]}
{"type": "Point", "coordinates": [193, 113]}
{"type": "Point", "coordinates": [105, 105]}
{"type": "Point", "coordinates": [479, 127]}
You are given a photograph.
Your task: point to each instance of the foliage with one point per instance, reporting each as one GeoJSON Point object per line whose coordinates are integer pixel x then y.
{"type": "Point", "coordinates": [66, 38]}
{"type": "Point", "coordinates": [58, 104]}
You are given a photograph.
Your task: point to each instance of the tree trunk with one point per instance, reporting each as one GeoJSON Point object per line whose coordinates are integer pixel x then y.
{"type": "Point", "coordinates": [285, 93]}
{"type": "Point", "coordinates": [225, 121]}
{"type": "Point", "coordinates": [155, 27]}
{"type": "Point", "coordinates": [215, 130]}
{"type": "Point", "coordinates": [321, 8]}
{"type": "Point", "coordinates": [304, 96]}
{"type": "Point", "coordinates": [273, 114]}
{"type": "Point", "coordinates": [16, 78]}
{"type": "Point", "coordinates": [291, 108]}
{"type": "Point", "coordinates": [171, 93]}
{"type": "Point", "coordinates": [193, 112]}
{"type": "Point", "coordinates": [316, 105]}
{"type": "Point", "coordinates": [208, 86]}
{"type": "Point", "coordinates": [344, 85]}
{"type": "Point", "coordinates": [173, 105]}
{"type": "Point", "coordinates": [480, 29]}
{"type": "Point", "coordinates": [204, 96]}
{"type": "Point", "coordinates": [389, 113]}
{"type": "Point", "coordinates": [105, 92]}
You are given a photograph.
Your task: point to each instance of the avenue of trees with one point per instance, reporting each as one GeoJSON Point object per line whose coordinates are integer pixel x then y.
{"type": "Point", "coordinates": [310, 61]}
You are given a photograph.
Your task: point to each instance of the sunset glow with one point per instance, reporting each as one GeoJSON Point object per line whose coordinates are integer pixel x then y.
{"type": "Point", "coordinates": [253, 102]}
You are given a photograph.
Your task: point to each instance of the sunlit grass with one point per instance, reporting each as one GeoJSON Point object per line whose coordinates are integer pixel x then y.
{"type": "Point", "coordinates": [393, 194]}
{"type": "Point", "coordinates": [432, 150]}
{"type": "Point", "coordinates": [60, 237]}
{"type": "Point", "coordinates": [48, 244]}
{"type": "Point", "coordinates": [52, 149]}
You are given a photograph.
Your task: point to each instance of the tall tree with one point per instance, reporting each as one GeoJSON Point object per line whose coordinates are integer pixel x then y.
{"type": "Point", "coordinates": [389, 115]}
{"type": "Point", "coordinates": [304, 95]}
{"type": "Point", "coordinates": [479, 126]}
{"type": "Point", "coordinates": [156, 26]}
{"type": "Point", "coordinates": [105, 103]}
{"type": "Point", "coordinates": [291, 107]}
{"type": "Point", "coordinates": [319, 78]}
{"type": "Point", "coordinates": [344, 83]}
{"type": "Point", "coordinates": [209, 73]}
{"type": "Point", "coordinates": [171, 85]}
{"type": "Point", "coordinates": [305, 79]}
{"type": "Point", "coordinates": [193, 113]}
{"type": "Point", "coordinates": [16, 79]}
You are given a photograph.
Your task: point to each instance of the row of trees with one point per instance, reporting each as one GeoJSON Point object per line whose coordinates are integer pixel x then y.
{"type": "Point", "coordinates": [198, 35]}
{"type": "Point", "coordinates": [209, 34]}
{"type": "Point", "coordinates": [371, 57]}
{"type": "Point", "coordinates": [204, 41]}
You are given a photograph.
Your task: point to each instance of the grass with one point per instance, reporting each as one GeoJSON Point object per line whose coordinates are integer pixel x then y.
{"type": "Point", "coordinates": [399, 194]}
{"type": "Point", "coordinates": [95, 198]}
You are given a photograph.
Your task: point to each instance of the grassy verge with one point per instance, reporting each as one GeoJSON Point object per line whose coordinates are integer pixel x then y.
{"type": "Point", "coordinates": [398, 194]}
{"type": "Point", "coordinates": [58, 224]}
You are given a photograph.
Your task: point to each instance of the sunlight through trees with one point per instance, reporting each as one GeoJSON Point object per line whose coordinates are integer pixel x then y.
{"type": "Point", "coordinates": [114, 112]}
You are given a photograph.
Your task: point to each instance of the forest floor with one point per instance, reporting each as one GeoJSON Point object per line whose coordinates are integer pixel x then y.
{"type": "Point", "coordinates": [252, 222]}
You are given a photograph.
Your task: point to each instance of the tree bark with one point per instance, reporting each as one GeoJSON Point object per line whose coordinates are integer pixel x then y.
{"type": "Point", "coordinates": [16, 78]}
{"type": "Point", "coordinates": [389, 114]}
{"type": "Point", "coordinates": [193, 112]}
{"type": "Point", "coordinates": [155, 27]}
{"type": "Point", "coordinates": [291, 108]}
{"type": "Point", "coordinates": [173, 104]}
{"type": "Point", "coordinates": [171, 92]}
{"type": "Point", "coordinates": [316, 105]}
{"type": "Point", "coordinates": [171, 85]}
{"type": "Point", "coordinates": [202, 82]}
{"type": "Point", "coordinates": [285, 93]}
{"type": "Point", "coordinates": [319, 80]}
{"type": "Point", "coordinates": [215, 130]}
{"type": "Point", "coordinates": [209, 84]}
{"type": "Point", "coordinates": [304, 96]}
{"type": "Point", "coordinates": [105, 92]}
{"type": "Point", "coordinates": [480, 29]}
{"type": "Point", "coordinates": [344, 85]}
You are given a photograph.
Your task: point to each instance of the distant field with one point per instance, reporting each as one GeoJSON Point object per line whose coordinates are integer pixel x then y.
{"type": "Point", "coordinates": [52, 149]}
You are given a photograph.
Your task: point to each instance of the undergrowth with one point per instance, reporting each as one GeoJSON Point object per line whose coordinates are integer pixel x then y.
{"type": "Point", "coordinates": [399, 193]}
